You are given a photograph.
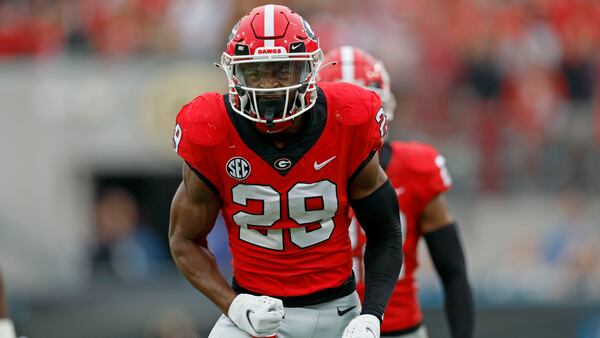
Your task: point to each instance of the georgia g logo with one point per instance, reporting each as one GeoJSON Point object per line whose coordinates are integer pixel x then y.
{"type": "Point", "coordinates": [283, 164]}
{"type": "Point", "coordinates": [238, 168]}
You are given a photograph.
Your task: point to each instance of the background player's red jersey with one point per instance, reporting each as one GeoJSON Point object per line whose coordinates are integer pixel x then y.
{"type": "Point", "coordinates": [418, 173]}
{"type": "Point", "coordinates": [286, 210]}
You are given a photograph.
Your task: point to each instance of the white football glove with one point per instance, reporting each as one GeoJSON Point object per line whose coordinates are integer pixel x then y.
{"type": "Point", "coordinates": [7, 329]}
{"type": "Point", "coordinates": [363, 326]}
{"type": "Point", "coordinates": [260, 316]}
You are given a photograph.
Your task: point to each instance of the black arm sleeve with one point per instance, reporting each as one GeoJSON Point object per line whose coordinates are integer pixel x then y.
{"type": "Point", "coordinates": [448, 258]}
{"type": "Point", "coordinates": [378, 214]}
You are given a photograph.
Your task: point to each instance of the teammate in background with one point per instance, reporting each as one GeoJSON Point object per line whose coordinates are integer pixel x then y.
{"type": "Point", "coordinates": [283, 159]}
{"type": "Point", "coordinates": [419, 176]}
{"type": "Point", "coordinates": [7, 329]}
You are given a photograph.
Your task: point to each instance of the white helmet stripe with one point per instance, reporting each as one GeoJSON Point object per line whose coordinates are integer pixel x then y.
{"type": "Point", "coordinates": [347, 64]}
{"type": "Point", "coordinates": [269, 25]}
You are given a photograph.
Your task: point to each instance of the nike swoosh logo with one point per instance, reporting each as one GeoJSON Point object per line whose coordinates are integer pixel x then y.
{"type": "Point", "coordinates": [319, 166]}
{"type": "Point", "coordinates": [344, 311]}
{"type": "Point", "coordinates": [248, 316]}
{"type": "Point", "coordinates": [399, 191]}
{"type": "Point", "coordinates": [295, 46]}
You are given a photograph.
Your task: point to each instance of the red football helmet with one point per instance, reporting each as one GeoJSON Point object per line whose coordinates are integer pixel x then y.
{"type": "Point", "coordinates": [271, 62]}
{"type": "Point", "coordinates": [356, 66]}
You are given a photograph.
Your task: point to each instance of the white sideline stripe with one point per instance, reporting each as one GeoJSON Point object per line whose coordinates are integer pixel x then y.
{"type": "Point", "coordinates": [347, 64]}
{"type": "Point", "coordinates": [269, 25]}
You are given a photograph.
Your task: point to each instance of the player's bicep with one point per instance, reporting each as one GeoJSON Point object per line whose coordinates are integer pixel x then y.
{"type": "Point", "coordinates": [194, 209]}
{"type": "Point", "coordinates": [368, 179]}
{"type": "Point", "coordinates": [435, 215]}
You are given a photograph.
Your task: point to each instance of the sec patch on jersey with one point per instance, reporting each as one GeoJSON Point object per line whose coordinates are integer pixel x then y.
{"type": "Point", "coordinates": [238, 168]}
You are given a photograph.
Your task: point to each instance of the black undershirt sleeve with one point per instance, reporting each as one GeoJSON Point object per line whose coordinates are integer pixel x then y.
{"type": "Point", "coordinates": [447, 256]}
{"type": "Point", "coordinates": [378, 214]}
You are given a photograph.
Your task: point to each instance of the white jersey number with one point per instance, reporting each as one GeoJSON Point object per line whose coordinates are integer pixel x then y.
{"type": "Point", "coordinates": [176, 137]}
{"type": "Point", "coordinates": [382, 121]}
{"type": "Point", "coordinates": [271, 213]}
{"type": "Point", "coordinates": [297, 196]}
{"type": "Point", "coordinates": [440, 162]}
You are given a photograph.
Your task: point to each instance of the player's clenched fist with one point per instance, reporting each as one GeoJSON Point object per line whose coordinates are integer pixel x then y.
{"type": "Point", "coordinates": [260, 316]}
{"type": "Point", "coordinates": [363, 326]}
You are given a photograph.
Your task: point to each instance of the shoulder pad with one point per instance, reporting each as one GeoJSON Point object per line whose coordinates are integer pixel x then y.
{"type": "Point", "coordinates": [204, 120]}
{"type": "Point", "coordinates": [418, 157]}
{"type": "Point", "coordinates": [351, 104]}
{"type": "Point", "coordinates": [426, 167]}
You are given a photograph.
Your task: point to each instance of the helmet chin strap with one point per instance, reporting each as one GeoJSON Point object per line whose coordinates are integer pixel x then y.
{"type": "Point", "coordinates": [271, 107]}
{"type": "Point", "coordinates": [275, 128]}
{"type": "Point", "coordinates": [270, 115]}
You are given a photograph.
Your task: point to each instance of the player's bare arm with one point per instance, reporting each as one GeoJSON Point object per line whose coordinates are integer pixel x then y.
{"type": "Point", "coordinates": [435, 216]}
{"type": "Point", "coordinates": [368, 180]}
{"type": "Point", "coordinates": [376, 207]}
{"type": "Point", "coordinates": [443, 241]}
{"type": "Point", "coordinates": [193, 213]}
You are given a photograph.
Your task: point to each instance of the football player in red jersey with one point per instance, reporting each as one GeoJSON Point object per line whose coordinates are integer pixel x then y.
{"type": "Point", "coordinates": [283, 159]}
{"type": "Point", "coordinates": [419, 176]}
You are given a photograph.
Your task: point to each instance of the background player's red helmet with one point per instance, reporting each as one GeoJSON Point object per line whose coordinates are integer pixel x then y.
{"type": "Point", "coordinates": [354, 65]}
{"type": "Point", "coordinates": [273, 42]}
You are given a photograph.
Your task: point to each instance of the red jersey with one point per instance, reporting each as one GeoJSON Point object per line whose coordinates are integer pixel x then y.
{"type": "Point", "coordinates": [418, 174]}
{"type": "Point", "coordinates": [286, 210]}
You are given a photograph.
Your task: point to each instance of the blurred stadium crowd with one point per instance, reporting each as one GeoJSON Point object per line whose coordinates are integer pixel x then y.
{"type": "Point", "coordinates": [506, 89]}
{"type": "Point", "coordinates": [505, 75]}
